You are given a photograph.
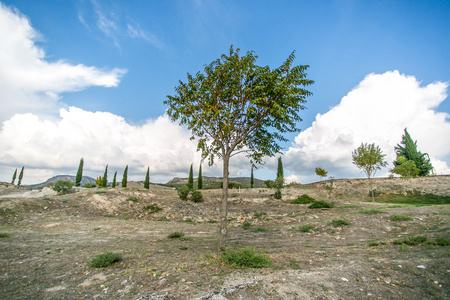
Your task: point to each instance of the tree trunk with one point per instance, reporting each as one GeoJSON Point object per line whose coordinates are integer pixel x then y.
{"type": "Point", "coordinates": [371, 189]}
{"type": "Point", "coordinates": [224, 205]}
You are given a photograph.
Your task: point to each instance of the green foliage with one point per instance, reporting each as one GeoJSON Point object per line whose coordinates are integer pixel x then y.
{"type": "Point", "coordinates": [20, 177]}
{"type": "Point", "coordinates": [147, 179]}
{"type": "Point", "coordinates": [99, 181]}
{"type": "Point", "coordinates": [79, 175]}
{"type": "Point", "coordinates": [408, 150]}
{"type": "Point", "coordinates": [14, 177]}
{"type": "Point", "coordinates": [411, 240]}
{"type": "Point", "coordinates": [246, 258]}
{"type": "Point", "coordinates": [270, 184]}
{"type": "Point", "coordinates": [200, 178]}
{"type": "Point", "coordinates": [4, 235]}
{"type": "Point", "coordinates": [372, 211]}
{"type": "Point", "coordinates": [277, 194]}
{"type": "Point", "coordinates": [89, 185]}
{"type": "Point", "coordinates": [133, 199]}
{"type": "Point", "coordinates": [259, 214]}
{"type": "Point", "coordinates": [61, 187]}
{"type": "Point", "coordinates": [340, 223]}
{"type": "Point", "coordinates": [280, 172]}
{"type": "Point", "coordinates": [404, 248]}
{"type": "Point", "coordinates": [279, 181]}
{"type": "Point", "coordinates": [105, 177]}
{"type": "Point", "coordinates": [176, 235]}
{"type": "Point", "coordinates": [407, 169]}
{"type": "Point", "coordinates": [442, 241]}
{"type": "Point", "coordinates": [320, 204]}
{"type": "Point", "coordinates": [321, 172]}
{"type": "Point", "coordinates": [163, 219]}
{"type": "Point", "coordinates": [399, 218]}
{"type": "Point", "coordinates": [416, 199]}
{"type": "Point", "coordinates": [303, 199]}
{"type": "Point", "coordinates": [125, 177]}
{"type": "Point", "coordinates": [190, 183]}
{"type": "Point", "coordinates": [153, 208]}
{"type": "Point", "coordinates": [260, 229]}
{"type": "Point", "coordinates": [197, 196]}
{"type": "Point", "coordinates": [246, 225]}
{"type": "Point", "coordinates": [114, 180]}
{"type": "Point", "coordinates": [183, 192]}
{"type": "Point", "coordinates": [376, 243]}
{"type": "Point", "coordinates": [105, 259]}
{"type": "Point", "coordinates": [306, 228]}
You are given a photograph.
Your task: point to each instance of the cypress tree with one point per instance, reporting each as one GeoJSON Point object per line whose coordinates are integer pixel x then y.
{"type": "Point", "coordinates": [79, 173]}
{"type": "Point", "coordinates": [200, 178]}
{"type": "Point", "coordinates": [252, 180]}
{"type": "Point", "coordinates": [105, 177]}
{"type": "Point", "coordinates": [124, 178]}
{"type": "Point", "coordinates": [114, 180]}
{"type": "Point", "coordinates": [147, 179]}
{"type": "Point", "coordinates": [280, 169]}
{"type": "Point", "coordinates": [191, 179]}
{"type": "Point", "coordinates": [20, 177]}
{"type": "Point", "coordinates": [14, 177]}
{"type": "Point", "coordinates": [279, 182]}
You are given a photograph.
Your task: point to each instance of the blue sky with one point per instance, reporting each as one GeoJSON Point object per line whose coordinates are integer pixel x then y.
{"type": "Point", "coordinates": [142, 48]}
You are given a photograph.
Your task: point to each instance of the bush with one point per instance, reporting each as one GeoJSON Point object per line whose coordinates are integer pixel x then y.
{"type": "Point", "coordinates": [371, 211]}
{"type": "Point", "coordinates": [105, 259]}
{"type": "Point", "coordinates": [411, 240]}
{"type": "Point", "coordinates": [175, 235]}
{"type": "Point", "coordinates": [306, 228]}
{"type": "Point", "coordinates": [399, 218]}
{"type": "Point", "coordinates": [4, 235]}
{"type": "Point", "coordinates": [197, 196]}
{"type": "Point", "coordinates": [62, 187]}
{"type": "Point", "coordinates": [246, 258]}
{"type": "Point", "coordinates": [260, 229]}
{"type": "Point", "coordinates": [89, 185]}
{"type": "Point", "coordinates": [277, 194]}
{"type": "Point", "coordinates": [246, 225]}
{"type": "Point", "coordinates": [338, 223]}
{"type": "Point", "coordinates": [133, 199]}
{"type": "Point", "coordinates": [183, 192]}
{"type": "Point", "coordinates": [442, 241]}
{"type": "Point", "coordinates": [154, 208]}
{"type": "Point", "coordinates": [320, 204]}
{"type": "Point", "coordinates": [303, 199]}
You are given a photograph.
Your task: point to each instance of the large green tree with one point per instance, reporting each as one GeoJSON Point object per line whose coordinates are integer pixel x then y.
{"type": "Point", "coordinates": [105, 177]}
{"type": "Point", "coordinates": [200, 178]}
{"type": "Point", "coordinates": [147, 179]}
{"type": "Point", "coordinates": [79, 173]}
{"type": "Point", "coordinates": [235, 106]}
{"type": "Point", "coordinates": [14, 177]}
{"type": "Point", "coordinates": [125, 177]}
{"type": "Point", "coordinates": [19, 182]}
{"type": "Point", "coordinates": [321, 172]}
{"type": "Point", "coordinates": [370, 159]}
{"type": "Point", "coordinates": [407, 169]}
{"type": "Point", "coordinates": [408, 149]}
{"type": "Point", "coordinates": [114, 180]}
{"type": "Point", "coordinates": [191, 178]}
{"type": "Point", "coordinates": [279, 181]}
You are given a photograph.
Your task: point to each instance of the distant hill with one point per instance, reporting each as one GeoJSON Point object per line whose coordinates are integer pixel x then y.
{"type": "Point", "coordinates": [84, 180]}
{"type": "Point", "coordinates": [211, 180]}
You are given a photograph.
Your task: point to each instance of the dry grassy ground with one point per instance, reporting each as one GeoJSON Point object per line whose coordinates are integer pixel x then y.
{"type": "Point", "coordinates": [49, 240]}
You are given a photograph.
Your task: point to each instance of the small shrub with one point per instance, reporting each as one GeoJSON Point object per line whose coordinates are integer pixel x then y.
{"type": "Point", "coordinates": [260, 229]}
{"type": "Point", "coordinates": [183, 192]}
{"type": "Point", "coordinates": [339, 223]}
{"type": "Point", "coordinates": [163, 219]}
{"type": "Point", "coordinates": [442, 241]}
{"type": "Point", "coordinates": [133, 199]}
{"type": "Point", "coordinates": [399, 218]}
{"type": "Point", "coordinates": [277, 194]}
{"type": "Point", "coordinates": [306, 228]}
{"type": "Point", "coordinates": [246, 258]}
{"type": "Point", "coordinates": [154, 208]}
{"type": "Point", "coordinates": [404, 248]}
{"type": "Point", "coordinates": [176, 235]}
{"type": "Point", "coordinates": [376, 243]}
{"type": "Point", "coordinates": [189, 221]}
{"type": "Point", "coordinates": [183, 248]}
{"type": "Point", "coordinates": [89, 185]}
{"type": "Point", "coordinates": [197, 196]}
{"type": "Point", "coordinates": [4, 235]}
{"type": "Point", "coordinates": [246, 225]}
{"type": "Point", "coordinates": [62, 187]}
{"type": "Point", "coordinates": [320, 204]}
{"type": "Point", "coordinates": [371, 211]}
{"type": "Point", "coordinates": [259, 214]}
{"type": "Point", "coordinates": [303, 199]}
{"type": "Point", "coordinates": [411, 240]}
{"type": "Point", "coordinates": [105, 259]}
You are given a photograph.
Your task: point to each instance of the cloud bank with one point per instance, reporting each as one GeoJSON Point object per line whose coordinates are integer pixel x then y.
{"type": "Point", "coordinates": [376, 111]}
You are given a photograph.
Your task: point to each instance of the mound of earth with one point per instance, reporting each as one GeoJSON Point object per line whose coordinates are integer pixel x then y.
{"type": "Point", "coordinates": [47, 242]}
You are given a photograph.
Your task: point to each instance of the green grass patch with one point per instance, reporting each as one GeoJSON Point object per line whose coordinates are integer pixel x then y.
{"type": "Point", "coordinates": [105, 259]}
{"type": "Point", "coordinates": [303, 199]}
{"type": "Point", "coordinates": [443, 241]}
{"type": "Point", "coordinates": [4, 235]}
{"type": "Point", "coordinates": [320, 204]}
{"type": "Point", "coordinates": [349, 206]}
{"type": "Point", "coordinates": [306, 228]}
{"type": "Point", "coordinates": [411, 240]}
{"type": "Point", "coordinates": [376, 243]}
{"type": "Point", "coordinates": [419, 199]}
{"type": "Point", "coordinates": [260, 229]}
{"type": "Point", "coordinates": [189, 221]}
{"type": "Point", "coordinates": [163, 219]}
{"type": "Point", "coordinates": [371, 211]}
{"type": "Point", "coordinates": [212, 222]}
{"type": "Point", "coordinates": [246, 225]}
{"type": "Point", "coordinates": [176, 235]}
{"type": "Point", "coordinates": [340, 223]}
{"type": "Point", "coordinates": [246, 258]}
{"type": "Point", "coordinates": [100, 192]}
{"type": "Point", "coordinates": [133, 199]}
{"type": "Point", "coordinates": [404, 248]}
{"type": "Point", "coordinates": [259, 214]}
{"type": "Point", "coordinates": [154, 208]}
{"type": "Point", "coordinates": [400, 218]}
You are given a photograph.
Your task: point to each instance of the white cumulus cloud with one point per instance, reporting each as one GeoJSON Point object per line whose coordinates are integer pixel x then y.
{"type": "Point", "coordinates": [29, 82]}
{"type": "Point", "coordinates": [376, 111]}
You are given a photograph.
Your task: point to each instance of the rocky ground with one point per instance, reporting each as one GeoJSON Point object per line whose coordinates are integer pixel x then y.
{"type": "Point", "coordinates": [48, 240]}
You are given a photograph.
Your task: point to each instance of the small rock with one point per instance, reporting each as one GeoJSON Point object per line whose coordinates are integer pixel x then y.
{"type": "Point", "coordinates": [421, 267]}
{"type": "Point", "coordinates": [344, 279]}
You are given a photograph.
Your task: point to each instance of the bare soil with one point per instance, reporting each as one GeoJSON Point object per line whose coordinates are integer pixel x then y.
{"type": "Point", "coordinates": [52, 239]}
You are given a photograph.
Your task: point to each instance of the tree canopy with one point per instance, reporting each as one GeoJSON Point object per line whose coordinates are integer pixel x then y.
{"type": "Point", "coordinates": [236, 106]}
{"type": "Point", "coordinates": [408, 149]}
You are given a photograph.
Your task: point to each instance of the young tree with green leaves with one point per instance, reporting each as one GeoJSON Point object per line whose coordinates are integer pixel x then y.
{"type": "Point", "coordinates": [236, 106]}
{"type": "Point", "coordinates": [125, 177]}
{"type": "Point", "coordinates": [190, 183]}
{"type": "Point", "coordinates": [20, 177]}
{"type": "Point", "coordinates": [369, 158]}
{"type": "Point", "coordinates": [105, 177]}
{"type": "Point", "coordinates": [147, 179]}
{"type": "Point", "coordinates": [200, 178]}
{"type": "Point", "coordinates": [252, 179]}
{"type": "Point", "coordinates": [79, 173]}
{"type": "Point", "coordinates": [114, 180]}
{"type": "Point", "coordinates": [407, 169]}
{"type": "Point", "coordinates": [321, 172]}
{"type": "Point", "coordinates": [14, 177]}
{"type": "Point", "coordinates": [408, 149]}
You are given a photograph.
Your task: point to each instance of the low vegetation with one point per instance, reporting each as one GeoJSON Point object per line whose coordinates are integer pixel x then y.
{"type": "Point", "coordinates": [246, 258]}
{"type": "Point", "coordinates": [303, 199]}
{"type": "Point", "coordinates": [105, 259]}
{"type": "Point", "coordinates": [176, 235]}
{"type": "Point", "coordinates": [399, 218]}
{"type": "Point", "coordinates": [153, 208]}
{"type": "Point", "coordinates": [340, 223]}
{"type": "Point", "coordinates": [306, 228]}
{"type": "Point", "coordinates": [414, 199]}
{"type": "Point", "coordinates": [320, 204]}
{"type": "Point", "coordinates": [62, 187]}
